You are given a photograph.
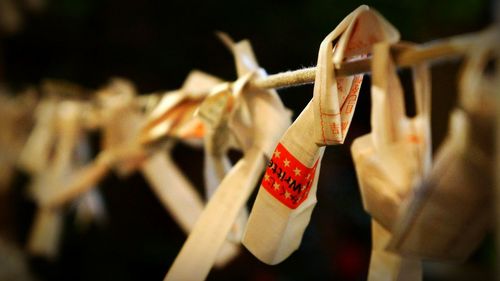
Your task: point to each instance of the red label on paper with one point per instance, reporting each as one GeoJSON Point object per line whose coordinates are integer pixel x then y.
{"type": "Point", "coordinates": [287, 179]}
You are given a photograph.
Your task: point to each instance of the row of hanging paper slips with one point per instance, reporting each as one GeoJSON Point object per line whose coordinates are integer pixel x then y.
{"type": "Point", "coordinates": [420, 208]}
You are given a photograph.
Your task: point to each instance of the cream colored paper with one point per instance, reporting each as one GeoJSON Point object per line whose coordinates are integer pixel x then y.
{"type": "Point", "coordinates": [218, 138]}
{"type": "Point", "coordinates": [198, 253]}
{"type": "Point", "coordinates": [119, 150]}
{"type": "Point", "coordinates": [335, 98]}
{"type": "Point", "coordinates": [47, 227]}
{"type": "Point", "coordinates": [447, 216]}
{"type": "Point", "coordinates": [252, 111]}
{"type": "Point", "coordinates": [274, 229]}
{"type": "Point", "coordinates": [174, 118]}
{"type": "Point", "coordinates": [392, 160]}
{"type": "Point", "coordinates": [35, 153]}
{"type": "Point", "coordinates": [121, 121]}
{"type": "Point", "coordinates": [126, 145]}
{"type": "Point", "coordinates": [216, 111]}
{"type": "Point", "coordinates": [45, 233]}
{"type": "Point", "coordinates": [171, 119]}
{"type": "Point", "coordinates": [58, 128]}
{"type": "Point", "coordinates": [180, 198]}
{"type": "Point", "coordinates": [396, 155]}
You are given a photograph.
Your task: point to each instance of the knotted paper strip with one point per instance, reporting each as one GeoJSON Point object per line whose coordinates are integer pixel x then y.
{"type": "Point", "coordinates": [460, 185]}
{"type": "Point", "coordinates": [392, 159]}
{"type": "Point", "coordinates": [126, 149]}
{"type": "Point", "coordinates": [35, 154]}
{"type": "Point", "coordinates": [335, 98]}
{"type": "Point", "coordinates": [287, 195]}
{"type": "Point", "coordinates": [113, 101]}
{"type": "Point", "coordinates": [44, 237]}
{"type": "Point", "coordinates": [180, 198]}
{"type": "Point", "coordinates": [174, 118]}
{"type": "Point", "coordinates": [173, 115]}
{"type": "Point", "coordinates": [216, 111]}
{"type": "Point", "coordinates": [254, 108]}
{"type": "Point", "coordinates": [121, 122]}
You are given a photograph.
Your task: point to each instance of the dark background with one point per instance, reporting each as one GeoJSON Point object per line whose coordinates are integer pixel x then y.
{"type": "Point", "coordinates": [155, 44]}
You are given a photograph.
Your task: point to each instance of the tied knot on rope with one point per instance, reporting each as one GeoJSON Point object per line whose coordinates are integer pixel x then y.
{"type": "Point", "coordinates": [174, 115]}
{"type": "Point", "coordinates": [335, 98]}
{"type": "Point", "coordinates": [258, 113]}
